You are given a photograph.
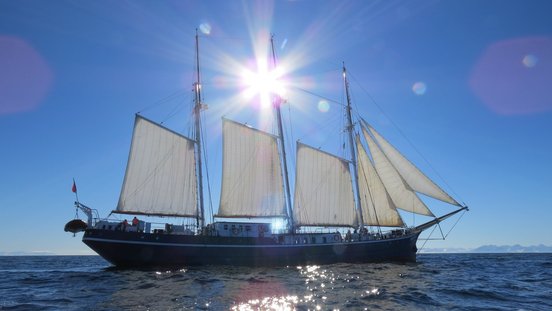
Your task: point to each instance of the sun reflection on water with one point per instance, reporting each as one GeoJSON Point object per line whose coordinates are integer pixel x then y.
{"type": "Point", "coordinates": [274, 303]}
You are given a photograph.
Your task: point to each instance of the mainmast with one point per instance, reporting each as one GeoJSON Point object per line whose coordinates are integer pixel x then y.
{"type": "Point", "coordinates": [197, 118]}
{"type": "Point", "coordinates": [350, 128]}
{"type": "Point", "coordinates": [277, 102]}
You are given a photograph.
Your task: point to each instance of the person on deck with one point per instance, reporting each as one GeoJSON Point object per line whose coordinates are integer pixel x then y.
{"type": "Point", "coordinates": [135, 221]}
{"type": "Point", "coordinates": [124, 224]}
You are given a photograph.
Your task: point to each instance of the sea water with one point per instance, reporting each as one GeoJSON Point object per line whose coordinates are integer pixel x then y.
{"type": "Point", "coordinates": [436, 281]}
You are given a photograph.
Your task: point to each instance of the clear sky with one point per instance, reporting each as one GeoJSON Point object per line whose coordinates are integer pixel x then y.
{"type": "Point", "coordinates": [469, 83]}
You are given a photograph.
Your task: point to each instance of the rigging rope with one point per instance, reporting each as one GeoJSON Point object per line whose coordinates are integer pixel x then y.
{"type": "Point", "coordinates": [457, 221]}
{"type": "Point", "coordinates": [292, 139]}
{"type": "Point", "coordinates": [207, 174]}
{"type": "Point", "coordinates": [425, 241]}
{"type": "Point", "coordinates": [176, 109]}
{"type": "Point", "coordinates": [444, 236]}
{"type": "Point", "coordinates": [163, 100]}
{"type": "Point", "coordinates": [317, 95]}
{"type": "Point", "coordinates": [405, 137]}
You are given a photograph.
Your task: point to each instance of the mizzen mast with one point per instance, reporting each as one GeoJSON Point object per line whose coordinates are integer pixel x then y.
{"type": "Point", "coordinates": [197, 119]}
{"type": "Point", "coordinates": [349, 129]}
{"type": "Point", "coordinates": [277, 102]}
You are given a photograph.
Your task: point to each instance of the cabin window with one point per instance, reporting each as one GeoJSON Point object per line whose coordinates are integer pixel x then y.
{"type": "Point", "coordinates": [324, 240]}
{"type": "Point", "coordinates": [313, 240]}
{"type": "Point", "coordinates": [248, 228]}
{"type": "Point", "coordinates": [225, 227]}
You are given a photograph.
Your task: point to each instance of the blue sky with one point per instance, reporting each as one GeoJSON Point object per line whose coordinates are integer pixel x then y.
{"type": "Point", "coordinates": [467, 82]}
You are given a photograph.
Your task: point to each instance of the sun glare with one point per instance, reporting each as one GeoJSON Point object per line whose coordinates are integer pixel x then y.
{"type": "Point", "coordinates": [263, 83]}
{"type": "Point", "coordinates": [278, 225]}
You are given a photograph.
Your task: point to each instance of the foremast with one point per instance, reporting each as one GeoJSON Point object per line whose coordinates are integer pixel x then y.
{"type": "Point", "coordinates": [197, 137]}
{"type": "Point", "coordinates": [276, 104]}
{"type": "Point", "coordinates": [350, 130]}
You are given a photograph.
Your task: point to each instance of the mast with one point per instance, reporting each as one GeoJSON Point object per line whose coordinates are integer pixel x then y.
{"type": "Point", "coordinates": [352, 147]}
{"type": "Point", "coordinates": [197, 118]}
{"type": "Point", "coordinates": [277, 102]}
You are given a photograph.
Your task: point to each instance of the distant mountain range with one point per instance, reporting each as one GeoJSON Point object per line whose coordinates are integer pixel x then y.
{"type": "Point", "coordinates": [541, 248]}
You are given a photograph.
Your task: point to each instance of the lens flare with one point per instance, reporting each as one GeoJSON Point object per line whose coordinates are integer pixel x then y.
{"type": "Point", "coordinates": [205, 28]}
{"type": "Point", "coordinates": [511, 81]}
{"type": "Point", "coordinates": [419, 88]}
{"type": "Point", "coordinates": [284, 43]}
{"type": "Point", "coordinates": [323, 106]}
{"type": "Point", "coordinates": [25, 77]}
{"type": "Point", "coordinates": [530, 60]}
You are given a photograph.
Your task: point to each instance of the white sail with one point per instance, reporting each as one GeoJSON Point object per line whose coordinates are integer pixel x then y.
{"type": "Point", "coordinates": [417, 180]}
{"type": "Point", "coordinates": [160, 176]}
{"type": "Point", "coordinates": [323, 189]}
{"type": "Point", "coordinates": [401, 194]}
{"type": "Point", "coordinates": [252, 183]}
{"type": "Point", "coordinates": [377, 207]}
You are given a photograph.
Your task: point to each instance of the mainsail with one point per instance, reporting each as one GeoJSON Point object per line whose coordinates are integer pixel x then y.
{"type": "Point", "coordinates": [160, 176]}
{"type": "Point", "coordinates": [417, 180]}
{"type": "Point", "coordinates": [252, 183]}
{"type": "Point", "coordinates": [377, 207]}
{"type": "Point", "coordinates": [401, 194]}
{"type": "Point", "coordinates": [323, 189]}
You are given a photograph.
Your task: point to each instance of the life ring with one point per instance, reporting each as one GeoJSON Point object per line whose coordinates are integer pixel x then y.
{"type": "Point", "coordinates": [336, 237]}
{"type": "Point", "coordinates": [235, 231]}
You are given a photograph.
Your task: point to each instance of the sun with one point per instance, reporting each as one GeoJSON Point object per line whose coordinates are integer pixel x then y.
{"type": "Point", "coordinates": [264, 83]}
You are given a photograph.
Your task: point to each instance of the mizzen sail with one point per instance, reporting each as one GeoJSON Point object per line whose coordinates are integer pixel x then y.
{"type": "Point", "coordinates": [160, 176]}
{"type": "Point", "coordinates": [377, 207]}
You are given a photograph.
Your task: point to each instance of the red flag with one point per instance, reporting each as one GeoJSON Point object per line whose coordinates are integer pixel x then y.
{"type": "Point", "coordinates": [74, 189]}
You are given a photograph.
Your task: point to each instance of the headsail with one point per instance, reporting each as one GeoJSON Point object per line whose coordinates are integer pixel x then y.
{"type": "Point", "coordinates": [401, 194]}
{"type": "Point", "coordinates": [323, 189]}
{"type": "Point", "coordinates": [252, 183]}
{"type": "Point", "coordinates": [417, 180]}
{"type": "Point", "coordinates": [377, 207]}
{"type": "Point", "coordinates": [160, 176]}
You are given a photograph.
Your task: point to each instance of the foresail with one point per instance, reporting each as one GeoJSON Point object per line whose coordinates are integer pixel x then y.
{"type": "Point", "coordinates": [417, 180]}
{"type": "Point", "coordinates": [252, 183]}
{"type": "Point", "coordinates": [377, 207]}
{"type": "Point", "coordinates": [160, 176]}
{"type": "Point", "coordinates": [323, 189]}
{"type": "Point", "coordinates": [401, 194]}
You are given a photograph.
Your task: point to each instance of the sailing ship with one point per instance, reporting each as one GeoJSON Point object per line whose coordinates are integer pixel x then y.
{"type": "Point", "coordinates": [332, 195]}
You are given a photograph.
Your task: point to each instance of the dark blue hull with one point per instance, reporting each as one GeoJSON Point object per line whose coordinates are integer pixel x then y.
{"type": "Point", "coordinates": [132, 249]}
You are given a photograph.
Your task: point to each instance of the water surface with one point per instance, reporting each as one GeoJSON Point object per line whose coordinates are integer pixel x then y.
{"type": "Point", "coordinates": [436, 281]}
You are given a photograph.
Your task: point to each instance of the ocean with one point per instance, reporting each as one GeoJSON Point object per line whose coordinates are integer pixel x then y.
{"type": "Point", "coordinates": [435, 282]}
